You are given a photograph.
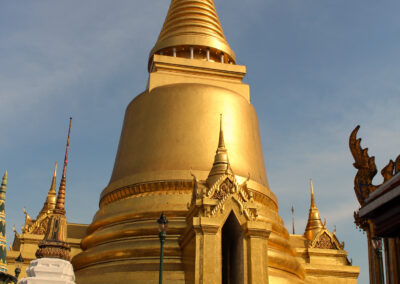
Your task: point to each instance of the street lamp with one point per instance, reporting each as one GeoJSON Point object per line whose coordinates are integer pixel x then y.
{"type": "Point", "coordinates": [18, 264]}
{"type": "Point", "coordinates": [162, 228]}
{"type": "Point", "coordinates": [377, 245]}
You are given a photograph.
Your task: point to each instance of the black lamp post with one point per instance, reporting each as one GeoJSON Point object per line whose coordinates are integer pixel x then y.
{"type": "Point", "coordinates": [377, 245]}
{"type": "Point", "coordinates": [162, 228]}
{"type": "Point", "coordinates": [18, 263]}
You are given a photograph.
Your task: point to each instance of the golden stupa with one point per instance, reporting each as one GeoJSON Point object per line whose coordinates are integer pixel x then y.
{"type": "Point", "coordinates": [190, 147]}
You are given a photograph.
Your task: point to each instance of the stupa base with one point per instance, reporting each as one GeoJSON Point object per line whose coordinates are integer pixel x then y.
{"type": "Point", "coordinates": [49, 270]}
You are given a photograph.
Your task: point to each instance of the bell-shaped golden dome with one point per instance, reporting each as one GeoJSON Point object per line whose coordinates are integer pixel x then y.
{"type": "Point", "coordinates": [169, 133]}
{"type": "Point", "coordinates": [193, 23]}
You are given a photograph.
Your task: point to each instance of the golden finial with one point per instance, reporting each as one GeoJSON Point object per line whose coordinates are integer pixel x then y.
{"type": "Point", "coordinates": [53, 182]}
{"type": "Point", "coordinates": [314, 224]}
{"type": "Point", "coordinates": [193, 27]}
{"type": "Point", "coordinates": [292, 209]}
{"type": "Point", "coordinates": [4, 181]}
{"type": "Point", "coordinates": [312, 194]}
{"type": "Point", "coordinates": [50, 202]}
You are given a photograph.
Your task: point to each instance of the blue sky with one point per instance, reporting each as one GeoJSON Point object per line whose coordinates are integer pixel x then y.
{"type": "Point", "coordinates": [316, 69]}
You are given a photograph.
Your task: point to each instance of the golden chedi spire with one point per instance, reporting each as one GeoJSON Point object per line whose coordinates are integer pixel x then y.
{"type": "Point", "coordinates": [50, 202]}
{"type": "Point", "coordinates": [314, 224]}
{"type": "Point", "coordinates": [221, 165]}
{"type": "Point", "coordinates": [54, 244]}
{"type": "Point", "coordinates": [192, 29]}
{"type": "Point", "coordinates": [169, 129]}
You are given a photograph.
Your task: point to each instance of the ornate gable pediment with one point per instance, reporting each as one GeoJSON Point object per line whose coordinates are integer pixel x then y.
{"type": "Point", "coordinates": [210, 201]}
{"type": "Point", "coordinates": [38, 226]}
{"type": "Point", "coordinates": [326, 240]}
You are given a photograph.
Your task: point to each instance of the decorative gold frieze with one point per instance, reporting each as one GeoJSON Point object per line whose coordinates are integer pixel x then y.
{"type": "Point", "coordinates": [145, 189]}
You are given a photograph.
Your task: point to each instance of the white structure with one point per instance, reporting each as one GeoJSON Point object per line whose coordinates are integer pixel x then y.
{"type": "Point", "coordinates": [49, 271]}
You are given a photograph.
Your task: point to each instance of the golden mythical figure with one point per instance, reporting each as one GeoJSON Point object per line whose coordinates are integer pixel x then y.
{"type": "Point", "coordinates": [366, 167]}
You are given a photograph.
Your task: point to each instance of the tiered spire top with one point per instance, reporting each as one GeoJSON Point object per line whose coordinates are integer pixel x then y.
{"type": "Point", "coordinates": [3, 187]}
{"type": "Point", "coordinates": [60, 204]}
{"type": "Point", "coordinates": [192, 23]}
{"type": "Point", "coordinates": [314, 224]}
{"type": "Point", "coordinates": [221, 165]}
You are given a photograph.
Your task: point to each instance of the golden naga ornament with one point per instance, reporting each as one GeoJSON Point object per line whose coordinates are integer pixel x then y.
{"type": "Point", "coordinates": [366, 167]}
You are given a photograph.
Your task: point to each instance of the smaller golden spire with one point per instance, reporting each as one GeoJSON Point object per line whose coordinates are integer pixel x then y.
{"type": "Point", "coordinates": [50, 202]}
{"type": "Point", "coordinates": [221, 165]}
{"type": "Point", "coordinates": [314, 224]}
{"type": "Point", "coordinates": [60, 203]}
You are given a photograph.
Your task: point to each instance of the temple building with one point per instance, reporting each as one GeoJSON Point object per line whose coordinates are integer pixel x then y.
{"type": "Point", "coordinates": [378, 215]}
{"type": "Point", "coordinates": [190, 147]}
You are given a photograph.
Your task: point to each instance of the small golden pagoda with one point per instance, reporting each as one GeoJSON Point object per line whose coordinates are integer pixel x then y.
{"type": "Point", "coordinates": [320, 252]}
